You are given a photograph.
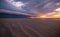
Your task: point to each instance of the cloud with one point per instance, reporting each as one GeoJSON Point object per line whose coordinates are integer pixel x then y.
{"type": "Point", "coordinates": [33, 7]}
{"type": "Point", "coordinates": [13, 12]}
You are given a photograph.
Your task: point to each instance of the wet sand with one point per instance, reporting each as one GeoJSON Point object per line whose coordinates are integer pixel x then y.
{"type": "Point", "coordinates": [27, 27]}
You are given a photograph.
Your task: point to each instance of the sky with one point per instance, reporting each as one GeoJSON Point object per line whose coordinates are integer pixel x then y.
{"type": "Point", "coordinates": [29, 7]}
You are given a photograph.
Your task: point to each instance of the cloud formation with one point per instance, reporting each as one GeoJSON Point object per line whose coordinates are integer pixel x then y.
{"type": "Point", "coordinates": [33, 7]}
{"type": "Point", "coordinates": [13, 12]}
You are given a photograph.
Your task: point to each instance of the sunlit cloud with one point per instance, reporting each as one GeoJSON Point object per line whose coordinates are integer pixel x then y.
{"type": "Point", "coordinates": [58, 9]}
{"type": "Point", "coordinates": [17, 4]}
{"type": "Point", "coordinates": [54, 14]}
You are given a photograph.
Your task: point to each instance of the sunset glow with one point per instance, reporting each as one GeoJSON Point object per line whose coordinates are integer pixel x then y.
{"type": "Point", "coordinates": [54, 14]}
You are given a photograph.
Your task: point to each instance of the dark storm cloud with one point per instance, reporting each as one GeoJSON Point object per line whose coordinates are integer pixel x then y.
{"type": "Point", "coordinates": [32, 6]}
{"type": "Point", "coordinates": [12, 12]}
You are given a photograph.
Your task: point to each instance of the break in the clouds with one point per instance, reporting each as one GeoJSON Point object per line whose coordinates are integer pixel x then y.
{"type": "Point", "coordinates": [31, 7]}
